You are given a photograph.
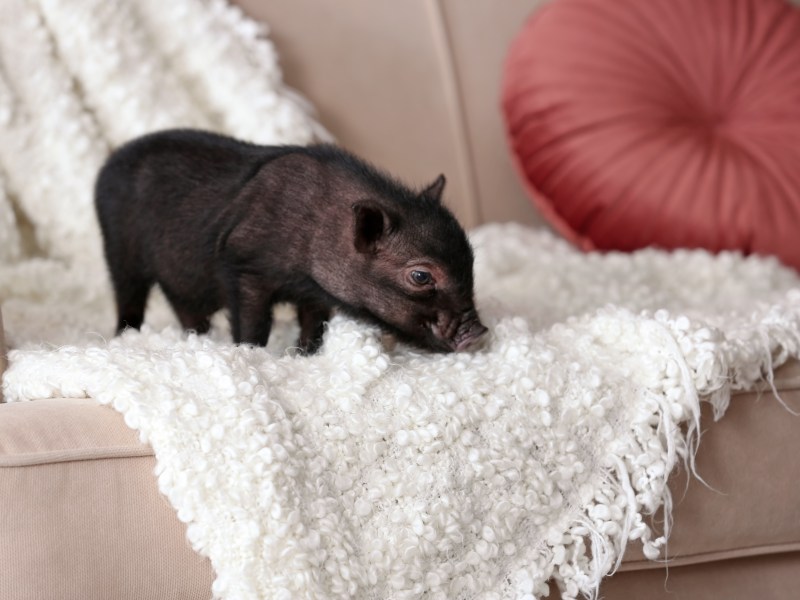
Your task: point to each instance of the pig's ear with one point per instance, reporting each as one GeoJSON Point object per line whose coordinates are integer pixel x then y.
{"type": "Point", "coordinates": [371, 224]}
{"type": "Point", "coordinates": [434, 190]}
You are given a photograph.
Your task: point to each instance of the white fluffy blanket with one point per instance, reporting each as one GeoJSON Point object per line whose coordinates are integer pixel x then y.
{"type": "Point", "coordinates": [362, 472]}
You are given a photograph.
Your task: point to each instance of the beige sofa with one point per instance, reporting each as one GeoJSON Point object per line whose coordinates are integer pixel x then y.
{"type": "Point", "coordinates": [414, 86]}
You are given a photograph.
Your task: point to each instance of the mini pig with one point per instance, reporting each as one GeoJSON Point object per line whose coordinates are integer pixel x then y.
{"type": "Point", "coordinates": [217, 222]}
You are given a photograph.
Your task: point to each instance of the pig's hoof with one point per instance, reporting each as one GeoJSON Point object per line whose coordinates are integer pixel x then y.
{"type": "Point", "coordinates": [310, 347]}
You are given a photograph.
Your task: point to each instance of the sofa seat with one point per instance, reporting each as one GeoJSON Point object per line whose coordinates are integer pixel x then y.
{"type": "Point", "coordinates": [742, 531]}
{"type": "Point", "coordinates": [82, 517]}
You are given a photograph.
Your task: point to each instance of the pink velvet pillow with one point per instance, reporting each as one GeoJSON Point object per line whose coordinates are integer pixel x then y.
{"type": "Point", "coordinates": [673, 123]}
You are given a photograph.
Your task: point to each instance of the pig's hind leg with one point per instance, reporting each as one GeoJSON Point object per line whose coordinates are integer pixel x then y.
{"type": "Point", "coordinates": [194, 313]}
{"type": "Point", "coordinates": [312, 319]}
{"type": "Point", "coordinates": [191, 321]}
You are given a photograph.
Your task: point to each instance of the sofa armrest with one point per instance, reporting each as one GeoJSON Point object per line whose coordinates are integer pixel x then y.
{"type": "Point", "coordinates": [3, 354]}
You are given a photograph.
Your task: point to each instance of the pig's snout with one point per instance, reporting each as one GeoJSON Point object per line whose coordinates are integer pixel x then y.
{"type": "Point", "coordinates": [469, 335]}
{"type": "Point", "coordinates": [460, 332]}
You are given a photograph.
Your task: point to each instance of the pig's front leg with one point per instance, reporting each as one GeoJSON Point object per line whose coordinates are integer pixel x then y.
{"type": "Point", "coordinates": [312, 319]}
{"type": "Point", "coordinates": [250, 305]}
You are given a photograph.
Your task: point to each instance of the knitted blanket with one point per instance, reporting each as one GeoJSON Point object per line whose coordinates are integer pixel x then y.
{"type": "Point", "coordinates": [367, 471]}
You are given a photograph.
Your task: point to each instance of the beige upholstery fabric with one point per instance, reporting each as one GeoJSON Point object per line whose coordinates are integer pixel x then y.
{"type": "Point", "coordinates": [412, 85]}
{"type": "Point", "coordinates": [773, 577]}
{"type": "Point", "coordinates": [3, 359]}
{"type": "Point", "coordinates": [80, 513]}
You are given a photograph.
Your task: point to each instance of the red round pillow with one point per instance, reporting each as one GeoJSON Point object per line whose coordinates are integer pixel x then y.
{"type": "Point", "coordinates": [672, 123]}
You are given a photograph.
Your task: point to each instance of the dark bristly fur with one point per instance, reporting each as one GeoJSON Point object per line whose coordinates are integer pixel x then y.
{"type": "Point", "coordinates": [221, 223]}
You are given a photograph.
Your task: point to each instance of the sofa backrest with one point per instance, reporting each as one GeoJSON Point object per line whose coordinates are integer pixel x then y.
{"type": "Point", "coordinates": [413, 86]}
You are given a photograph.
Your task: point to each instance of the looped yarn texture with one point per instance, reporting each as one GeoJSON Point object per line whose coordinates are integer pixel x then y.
{"type": "Point", "coordinates": [669, 123]}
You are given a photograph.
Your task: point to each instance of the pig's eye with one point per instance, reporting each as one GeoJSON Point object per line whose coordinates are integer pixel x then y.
{"type": "Point", "coordinates": [421, 277]}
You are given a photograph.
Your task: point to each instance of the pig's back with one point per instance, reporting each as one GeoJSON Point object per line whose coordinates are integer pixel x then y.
{"type": "Point", "coordinates": [161, 199]}
{"type": "Point", "coordinates": [169, 168]}
{"type": "Point", "coordinates": [174, 180]}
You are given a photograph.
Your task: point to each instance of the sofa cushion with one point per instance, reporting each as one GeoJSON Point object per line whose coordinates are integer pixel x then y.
{"type": "Point", "coordinates": [3, 358]}
{"type": "Point", "coordinates": [765, 577]}
{"type": "Point", "coordinates": [751, 505]}
{"type": "Point", "coordinates": [80, 513]}
{"type": "Point", "coordinates": [672, 123]}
